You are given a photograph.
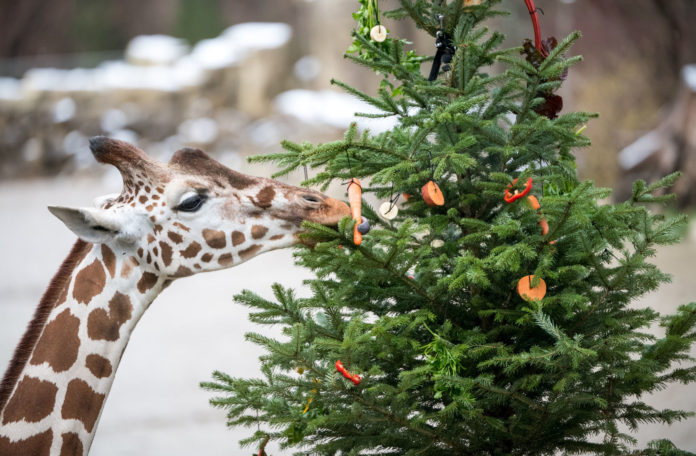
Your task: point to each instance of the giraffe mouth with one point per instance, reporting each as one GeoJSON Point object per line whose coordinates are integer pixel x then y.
{"type": "Point", "coordinates": [331, 212]}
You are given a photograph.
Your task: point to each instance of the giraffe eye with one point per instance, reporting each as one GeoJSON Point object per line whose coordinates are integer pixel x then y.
{"type": "Point", "coordinates": [310, 198]}
{"type": "Point", "coordinates": [192, 203]}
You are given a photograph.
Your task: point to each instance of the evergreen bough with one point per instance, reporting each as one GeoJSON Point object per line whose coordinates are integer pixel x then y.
{"type": "Point", "coordinates": [452, 359]}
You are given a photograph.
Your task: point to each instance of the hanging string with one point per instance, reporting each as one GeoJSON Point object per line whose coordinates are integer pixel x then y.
{"type": "Point", "coordinates": [375, 7]}
{"type": "Point", "coordinates": [392, 199]}
{"type": "Point", "coordinates": [430, 164]}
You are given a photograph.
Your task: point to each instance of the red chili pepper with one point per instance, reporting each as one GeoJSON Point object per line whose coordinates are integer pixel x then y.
{"type": "Point", "coordinates": [512, 197]}
{"type": "Point", "coordinates": [352, 377]}
{"type": "Point", "coordinates": [537, 29]}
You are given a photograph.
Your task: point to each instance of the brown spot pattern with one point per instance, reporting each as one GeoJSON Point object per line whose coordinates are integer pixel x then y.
{"type": "Point", "coordinates": [128, 266]}
{"type": "Point", "coordinates": [249, 252]}
{"type": "Point", "coordinates": [225, 259]}
{"type": "Point", "coordinates": [237, 238]}
{"type": "Point", "coordinates": [105, 326]}
{"type": "Point", "coordinates": [82, 403]}
{"type": "Point", "coordinates": [109, 259]}
{"type": "Point", "coordinates": [99, 366]}
{"type": "Point", "coordinates": [56, 289]}
{"type": "Point", "coordinates": [147, 281]}
{"type": "Point", "coordinates": [72, 445]}
{"type": "Point", "coordinates": [89, 282]}
{"type": "Point", "coordinates": [182, 226]}
{"type": "Point", "coordinates": [206, 257]}
{"type": "Point", "coordinates": [36, 445]}
{"type": "Point", "coordinates": [150, 238]}
{"type": "Point", "coordinates": [33, 400]}
{"type": "Point", "coordinates": [142, 199]}
{"type": "Point", "coordinates": [265, 197]}
{"type": "Point", "coordinates": [175, 237]}
{"type": "Point", "coordinates": [166, 253]}
{"type": "Point", "coordinates": [258, 231]}
{"type": "Point", "coordinates": [214, 238]}
{"type": "Point", "coordinates": [192, 250]}
{"type": "Point", "coordinates": [183, 271]}
{"type": "Point", "coordinates": [276, 237]}
{"type": "Point", "coordinates": [59, 343]}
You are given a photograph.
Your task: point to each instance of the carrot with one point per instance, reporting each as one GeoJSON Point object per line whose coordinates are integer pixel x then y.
{"type": "Point", "coordinates": [354, 198]}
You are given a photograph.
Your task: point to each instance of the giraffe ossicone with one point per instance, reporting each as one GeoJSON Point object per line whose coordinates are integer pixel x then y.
{"type": "Point", "coordinates": [171, 220]}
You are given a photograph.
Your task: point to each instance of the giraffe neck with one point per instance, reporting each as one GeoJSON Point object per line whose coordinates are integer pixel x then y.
{"type": "Point", "coordinates": [53, 394]}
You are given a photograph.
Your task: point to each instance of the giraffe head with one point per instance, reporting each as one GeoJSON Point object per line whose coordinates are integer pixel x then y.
{"type": "Point", "coordinates": [193, 214]}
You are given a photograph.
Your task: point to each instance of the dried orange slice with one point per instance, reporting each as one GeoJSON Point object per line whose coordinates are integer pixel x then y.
{"type": "Point", "coordinates": [432, 194]}
{"type": "Point", "coordinates": [529, 293]}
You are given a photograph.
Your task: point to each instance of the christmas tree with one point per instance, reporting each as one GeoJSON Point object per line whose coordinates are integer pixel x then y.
{"type": "Point", "coordinates": [492, 314]}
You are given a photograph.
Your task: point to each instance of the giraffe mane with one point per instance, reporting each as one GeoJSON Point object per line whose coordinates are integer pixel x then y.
{"type": "Point", "coordinates": [58, 283]}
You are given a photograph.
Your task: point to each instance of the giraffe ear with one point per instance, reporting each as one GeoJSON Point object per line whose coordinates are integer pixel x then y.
{"type": "Point", "coordinates": [90, 225]}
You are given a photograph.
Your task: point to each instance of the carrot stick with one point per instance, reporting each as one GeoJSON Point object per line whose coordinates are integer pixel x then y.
{"type": "Point", "coordinates": [354, 198]}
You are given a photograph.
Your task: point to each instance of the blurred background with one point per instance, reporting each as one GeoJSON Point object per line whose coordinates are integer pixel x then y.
{"type": "Point", "coordinates": [236, 77]}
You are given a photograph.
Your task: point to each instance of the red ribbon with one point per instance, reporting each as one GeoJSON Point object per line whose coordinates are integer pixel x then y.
{"type": "Point", "coordinates": [537, 29]}
{"type": "Point", "coordinates": [352, 377]}
{"type": "Point", "coordinates": [512, 197]}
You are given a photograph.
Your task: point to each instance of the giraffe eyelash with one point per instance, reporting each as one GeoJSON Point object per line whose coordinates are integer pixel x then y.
{"type": "Point", "coordinates": [192, 203]}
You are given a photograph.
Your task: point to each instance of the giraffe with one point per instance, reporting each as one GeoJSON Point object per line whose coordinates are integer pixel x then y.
{"type": "Point", "coordinates": [171, 220]}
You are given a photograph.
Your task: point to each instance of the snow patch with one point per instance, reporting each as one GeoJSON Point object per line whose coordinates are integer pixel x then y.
{"type": "Point", "coordinates": [64, 110]}
{"type": "Point", "coordinates": [10, 89]}
{"type": "Point", "coordinates": [77, 145]}
{"type": "Point", "coordinates": [327, 107]}
{"type": "Point", "coordinates": [113, 119]}
{"type": "Point", "coordinates": [155, 49]}
{"type": "Point", "coordinates": [307, 68]}
{"type": "Point", "coordinates": [199, 131]}
{"type": "Point", "coordinates": [689, 76]}
{"type": "Point", "coordinates": [238, 41]}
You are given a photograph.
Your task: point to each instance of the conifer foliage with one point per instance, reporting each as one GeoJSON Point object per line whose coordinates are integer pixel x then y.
{"type": "Point", "coordinates": [440, 353]}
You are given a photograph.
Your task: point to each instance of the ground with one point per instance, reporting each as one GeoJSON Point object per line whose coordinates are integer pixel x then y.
{"type": "Point", "coordinates": [194, 327]}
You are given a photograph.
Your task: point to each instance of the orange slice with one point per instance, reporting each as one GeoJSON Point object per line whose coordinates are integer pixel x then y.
{"type": "Point", "coordinates": [432, 194]}
{"type": "Point", "coordinates": [529, 293]}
